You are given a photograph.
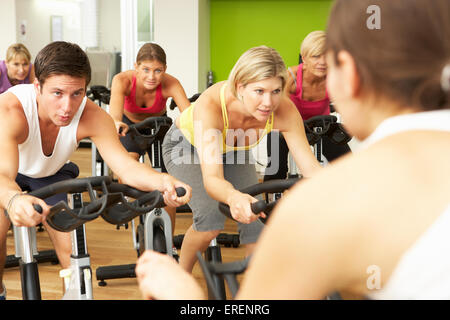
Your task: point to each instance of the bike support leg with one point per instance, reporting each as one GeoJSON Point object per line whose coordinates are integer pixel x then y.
{"type": "Point", "coordinates": [29, 273]}
{"type": "Point", "coordinates": [214, 255]}
{"type": "Point", "coordinates": [80, 263]}
{"type": "Point", "coordinates": [158, 215]}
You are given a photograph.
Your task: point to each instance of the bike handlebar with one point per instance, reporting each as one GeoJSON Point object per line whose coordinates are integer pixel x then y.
{"type": "Point", "coordinates": [271, 186]}
{"type": "Point", "coordinates": [173, 105]}
{"type": "Point", "coordinates": [328, 126]}
{"type": "Point", "coordinates": [159, 125]}
{"type": "Point", "coordinates": [151, 123]}
{"type": "Point", "coordinates": [100, 93]}
{"type": "Point", "coordinates": [323, 121]}
{"type": "Point", "coordinates": [72, 186]}
{"type": "Point", "coordinates": [124, 211]}
{"type": "Point", "coordinates": [65, 219]}
{"type": "Point", "coordinates": [61, 216]}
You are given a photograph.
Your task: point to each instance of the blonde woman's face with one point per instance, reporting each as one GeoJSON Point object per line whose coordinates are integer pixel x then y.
{"type": "Point", "coordinates": [18, 68]}
{"type": "Point", "coordinates": [261, 98]}
{"type": "Point", "coordinates": [316, 64]}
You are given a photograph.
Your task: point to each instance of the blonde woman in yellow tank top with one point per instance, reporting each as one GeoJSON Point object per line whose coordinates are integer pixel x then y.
{"type": "Point", "coordinates": [229, 116]}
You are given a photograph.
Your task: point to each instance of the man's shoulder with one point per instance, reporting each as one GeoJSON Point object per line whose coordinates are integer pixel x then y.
{"type": "Point", "coordinates": [13, 117]}
{"type": "Point", "coordinates": [23, 90]}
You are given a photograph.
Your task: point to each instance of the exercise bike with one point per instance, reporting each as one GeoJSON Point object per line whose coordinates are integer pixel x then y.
{"type": "Point", "coordinates": [318, 127]}
{"type": "Point", "coordinates": [217, 273]}
{"type": "Point", "coordinates": [108, 200]}
{"type": "Point", "coordinates": [154, 230]}
{"type": "Point", "coordinates": [66, 218]}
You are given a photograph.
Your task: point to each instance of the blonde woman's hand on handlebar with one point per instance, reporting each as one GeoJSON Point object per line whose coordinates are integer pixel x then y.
{"type": "Point", "coordinates": [240, 207]}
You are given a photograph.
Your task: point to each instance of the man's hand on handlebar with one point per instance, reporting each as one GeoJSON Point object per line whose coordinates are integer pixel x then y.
{"type": "Point", "coordinates": [121, 127]}
{"type": "Point", "coordinates": [21, 211]}
{"type": "Point", "coordinates": [240, 207]}
{"type": "Point", "coordinates": [171, 199]}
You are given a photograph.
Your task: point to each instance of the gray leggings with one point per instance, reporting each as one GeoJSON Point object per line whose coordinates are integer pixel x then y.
{"type": "Point", "coordinates": [182, 162]}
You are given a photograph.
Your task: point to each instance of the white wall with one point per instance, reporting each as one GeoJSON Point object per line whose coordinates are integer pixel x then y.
{"type": "Point", "coordinates": [109, 25]}
{"type": "Point", "coordinates": [37, 14]}
{"type": "Point", "coordinates": [182, 29]}
{"type": "Point", "coordinates": [7, 25]}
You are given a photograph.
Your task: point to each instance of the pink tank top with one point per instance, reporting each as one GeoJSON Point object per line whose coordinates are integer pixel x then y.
{"type": "Point", "coordinates": [308, 109]}
{"type": "Point", "coordinates": [130, 101]}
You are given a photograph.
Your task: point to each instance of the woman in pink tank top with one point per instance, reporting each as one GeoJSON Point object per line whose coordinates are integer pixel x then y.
{"type": "Point", "coordinates": [141, 93]}
{"type": "Point", "coordinates": [306, 87]}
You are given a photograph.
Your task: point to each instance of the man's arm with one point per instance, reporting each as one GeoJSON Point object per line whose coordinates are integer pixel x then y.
{"type": "Point", "coordinates": [99, 126]}
{"type": "Point", "coordinates": [14, 130]}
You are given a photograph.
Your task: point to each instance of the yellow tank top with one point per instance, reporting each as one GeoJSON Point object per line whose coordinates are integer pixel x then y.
{"type": "Point", "coordinates": [187, 125]}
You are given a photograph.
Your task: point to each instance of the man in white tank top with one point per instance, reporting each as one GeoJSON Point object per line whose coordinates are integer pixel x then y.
{"type": "Point", "coordinates": [41, 125]}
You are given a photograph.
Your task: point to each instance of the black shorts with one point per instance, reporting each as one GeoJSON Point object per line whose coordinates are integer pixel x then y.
{"type": "Point", "coordinates": [131, 146]}
{"type": "Point", "coordinates": [68, 171]}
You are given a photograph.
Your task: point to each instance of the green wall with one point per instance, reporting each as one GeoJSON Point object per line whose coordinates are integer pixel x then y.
{"type": "Point", "coordinates": [237, 25]}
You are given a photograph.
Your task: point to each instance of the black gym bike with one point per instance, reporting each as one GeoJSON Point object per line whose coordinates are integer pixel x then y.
{"type": "Point", "coordinates": [106, 199]}
{"type": "Point", "coordinates": [154, 231]}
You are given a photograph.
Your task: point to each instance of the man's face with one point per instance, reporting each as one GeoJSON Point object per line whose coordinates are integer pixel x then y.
{"type": "Point", "coordinates": [60, 97]}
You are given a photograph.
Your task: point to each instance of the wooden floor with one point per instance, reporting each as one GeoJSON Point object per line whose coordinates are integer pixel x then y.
{"type": "Point", "coordinates": [106, 246]}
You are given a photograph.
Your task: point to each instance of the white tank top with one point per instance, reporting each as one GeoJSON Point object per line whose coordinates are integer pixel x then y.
{"type": "Point", "coordinates": [438, 120]}
{"type": "Point", "coordinates": [32, 160]}
{"type": "Point", "coordinates": [423, 270]}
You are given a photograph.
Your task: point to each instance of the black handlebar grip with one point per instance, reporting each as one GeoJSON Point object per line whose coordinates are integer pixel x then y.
{"type": "Point", "coordinates": [258, 206]}
{"type": "Point", "coordinates": [37, 207]}
{"type": "Point", "coordinates": [180, 191]}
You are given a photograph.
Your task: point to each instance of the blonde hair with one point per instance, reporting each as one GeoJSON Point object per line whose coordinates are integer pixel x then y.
{"type": "Point", "coordinates": [314, 44]}
{"type": "Point", "coordinates": [256, 64]}
{"type": "Point", "coordinates": [17, 49]}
